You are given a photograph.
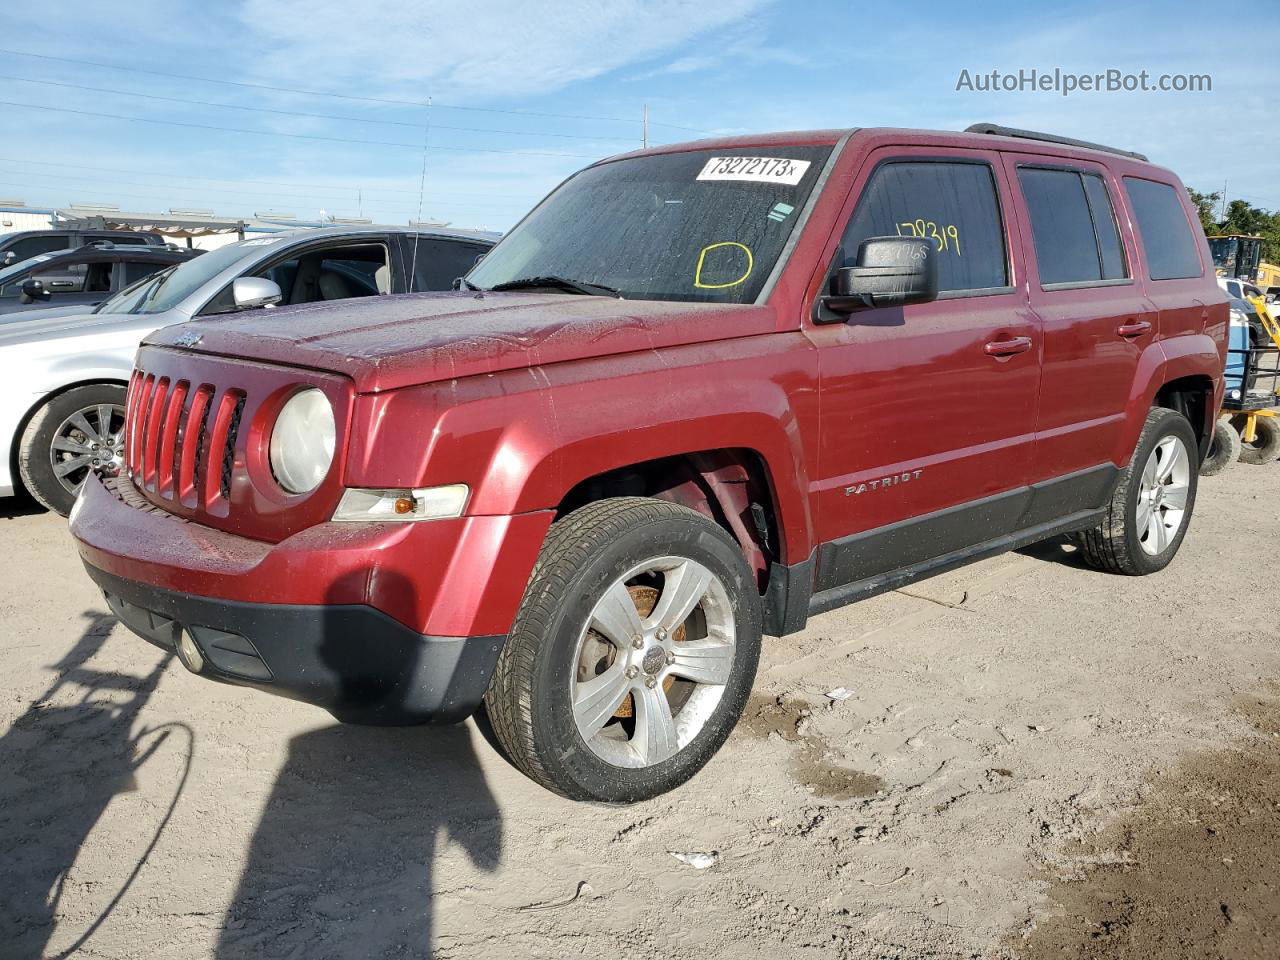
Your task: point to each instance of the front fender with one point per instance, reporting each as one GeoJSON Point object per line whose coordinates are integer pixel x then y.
{"type": "Point", "coordinates": [523, 439]}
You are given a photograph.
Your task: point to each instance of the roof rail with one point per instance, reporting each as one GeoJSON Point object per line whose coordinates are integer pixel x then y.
{"type": "Point", "coordinates": [996, 130]}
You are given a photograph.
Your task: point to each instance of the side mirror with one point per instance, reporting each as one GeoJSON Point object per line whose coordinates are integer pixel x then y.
{"type": "Point", "coordinates": [33, 290]}
{"type": "Point", "coordinates": [9, 257]}
{"type": "Point", "coordinates": [890, 272]}
{"type": "Point", "coordinates": [250, 292]}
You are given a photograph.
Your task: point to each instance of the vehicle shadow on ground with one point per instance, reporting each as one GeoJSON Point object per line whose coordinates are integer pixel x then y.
{"type": "Point", "coordinates": [61, 765]}
{"type": "Point", "coordinates": [19, 505]}
{"type": "Point", "coordinates": [1061, 549]}
{"type": "Point", "coordinates": [341, 862]}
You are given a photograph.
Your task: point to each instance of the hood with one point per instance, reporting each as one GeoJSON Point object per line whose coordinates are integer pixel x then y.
{"type": "Point", "coordinates": [383, 343]}
{"type": "Point", "coordinates": [47, 328]}
{"type": "Point", "coordinates": [44, 313]}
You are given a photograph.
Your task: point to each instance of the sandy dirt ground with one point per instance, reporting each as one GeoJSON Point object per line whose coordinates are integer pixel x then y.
{"type": "Point", "coordinates": [1037, 761]}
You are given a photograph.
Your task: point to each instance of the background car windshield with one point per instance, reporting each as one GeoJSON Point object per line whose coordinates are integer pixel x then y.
{"type": "Point", "coordinates": [705, 225]}
{"type": "Point", "coordinates": [22, 266]}
{"type": "Point", "coordinates": [166, 289]}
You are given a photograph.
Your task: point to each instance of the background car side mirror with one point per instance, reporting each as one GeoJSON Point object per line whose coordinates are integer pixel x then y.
{"type": "Point", "coordinates": [9, 257]}
{"type": "Point", "coordinates": [889, 272]}
{"type": "Point", "coordinates": [250, 292]}
{"type": "Point", "coordinates": [33, 290]}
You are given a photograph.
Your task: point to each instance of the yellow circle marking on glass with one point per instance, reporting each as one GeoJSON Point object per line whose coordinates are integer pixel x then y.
{"type": "Point", "coordinates": [697, 274]}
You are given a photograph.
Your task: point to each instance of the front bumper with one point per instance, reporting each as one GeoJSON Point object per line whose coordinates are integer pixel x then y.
{"type": "Point", "coordinates": [352, 660]}
{"type": "Point", "coordinates": [376, 623]}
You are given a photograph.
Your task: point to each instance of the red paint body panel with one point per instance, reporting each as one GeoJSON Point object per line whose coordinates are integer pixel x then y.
{"type": "Point", "coordinates": [522, 396]}
{"type": "Point", "coordinates": [330, 563]}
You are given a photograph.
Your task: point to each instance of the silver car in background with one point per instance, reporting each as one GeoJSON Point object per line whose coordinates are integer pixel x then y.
{"type": "Point", "coordinates": [63, 388]}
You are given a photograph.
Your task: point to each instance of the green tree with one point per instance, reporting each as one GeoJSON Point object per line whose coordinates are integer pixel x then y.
{"type": "Point", "coordinates": [1206, 204]}
{"type": "Point", "coordinates": [1242, 217]}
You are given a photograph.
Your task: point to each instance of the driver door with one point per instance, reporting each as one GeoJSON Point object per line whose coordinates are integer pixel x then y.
{"type": "Point", "coordinates": [927, 411]}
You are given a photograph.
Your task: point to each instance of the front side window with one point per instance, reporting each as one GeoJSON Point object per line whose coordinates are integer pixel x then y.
{"type": "Point", "coordinates": [703, 225]}
{"type": "Point", "coordinates": [1166, 233]}
{"type": "Point", "coordinates": [1073, 226]}
{"type": "Point", "coordinates": [953, 204]}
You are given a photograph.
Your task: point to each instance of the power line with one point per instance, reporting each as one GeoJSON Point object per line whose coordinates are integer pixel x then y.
{"type": "Point", "coordinates": [26, 174]}
{"type": "Point", "coordinates": [269, 183]}
{"type": "Point", "coordinates": [312, 116]}
{"type": "Point", "coordinates": [293, 136]}
{"type": "Point", "coordinates": [326, 93]}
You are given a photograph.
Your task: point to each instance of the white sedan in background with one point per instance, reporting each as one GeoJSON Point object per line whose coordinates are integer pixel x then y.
{"type": "Point", "coordinates": [63, 387]}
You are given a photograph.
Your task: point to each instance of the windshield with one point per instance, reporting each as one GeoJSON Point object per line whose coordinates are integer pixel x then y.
{"type": "Point", "coordinates": [707, 225]}
{"type": "Point", "coordinates": [22, 266]}
{"type": "Point", "coordinates": [168, 288]}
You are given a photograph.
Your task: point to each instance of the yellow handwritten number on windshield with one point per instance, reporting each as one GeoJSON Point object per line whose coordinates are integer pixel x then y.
{"type": "Point", "coordinates": [697, 274]}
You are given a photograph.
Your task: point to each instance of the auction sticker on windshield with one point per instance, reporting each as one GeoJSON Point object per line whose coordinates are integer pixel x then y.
{"type": "Point", "coordinates": [755, 169]}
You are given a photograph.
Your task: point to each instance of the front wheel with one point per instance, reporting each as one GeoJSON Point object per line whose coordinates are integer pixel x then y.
{"type": "Point", "coordinates": [632, 655]}
{"type": "Point", "coordinates": [1152, 505]}
{"type": "Point", "coordinates": [76, 433]}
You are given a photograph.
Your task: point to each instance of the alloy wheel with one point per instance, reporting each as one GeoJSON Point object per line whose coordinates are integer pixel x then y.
{"type": "Point", "coordinates": [1162, 495]}
{"type": "Point", "coordinates": [652, 662]}
{"type": "Point", "coordinates": [92, 438]}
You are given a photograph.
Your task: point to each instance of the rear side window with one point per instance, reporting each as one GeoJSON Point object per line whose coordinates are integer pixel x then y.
{"type": "Point", "coordinates": [1166, 234]}
{"type": "Point", "coordinates": [31, 246]}
{"type": "Point", "coordinates": [135, 270]}
{"type": "Point", "coordinates": [1110, 249]}
{"type": "Point", "coordinates": [440, 262]}
{"type": "Point", "coordinates": [1073, 226]}
{"type": "Point", "coordinates": [953, 204]}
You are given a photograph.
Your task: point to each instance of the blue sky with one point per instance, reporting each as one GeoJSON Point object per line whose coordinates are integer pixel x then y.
{"type": "Point", "coordinates": [525, 93]}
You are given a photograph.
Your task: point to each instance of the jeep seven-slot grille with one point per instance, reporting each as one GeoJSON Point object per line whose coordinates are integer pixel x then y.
{"type": "Point", "coordinates": [180, 440]}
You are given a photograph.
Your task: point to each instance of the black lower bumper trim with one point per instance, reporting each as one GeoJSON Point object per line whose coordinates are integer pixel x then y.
{"type": "Point", "coordinates": [354, 661]}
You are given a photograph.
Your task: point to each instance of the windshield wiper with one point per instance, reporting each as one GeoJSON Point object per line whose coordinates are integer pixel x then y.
{"type": "Point", "coordinates": [559, 283]}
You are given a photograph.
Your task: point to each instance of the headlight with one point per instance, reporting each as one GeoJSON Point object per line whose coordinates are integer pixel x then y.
{"type": "Point", "coordinates": [302, 441]}
{"type": "Point", "coordinates": [430, 503]}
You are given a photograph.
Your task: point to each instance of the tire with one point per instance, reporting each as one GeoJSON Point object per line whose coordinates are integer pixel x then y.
{"type": "Point", "coordinates": [40, 465]}
{"type": "Point", "coordinates": [1118, 544]}
{"type": "Point", "coordinates": [552, 659]}
{"type": "Point", "coordinates": [1266, 442]}
{"type": "Point", "coordinates": [1224, 449]}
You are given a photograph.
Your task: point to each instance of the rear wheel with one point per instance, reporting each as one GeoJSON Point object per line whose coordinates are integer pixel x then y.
{"type": "Point", "coordinates": [1265, 446]}
{"type": "Point", "coordinates": [76, 433]}
{"type": "Point", "coordinates": [632, 654]}
{"type": "Point", "coordinates": [1152, 505]}
{"type": "Point", "coordinates": [1224, 449]}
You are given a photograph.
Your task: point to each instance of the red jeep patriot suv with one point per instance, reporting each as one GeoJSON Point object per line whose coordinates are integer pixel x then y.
{"type": "Point", "coordinates": [698, 394]}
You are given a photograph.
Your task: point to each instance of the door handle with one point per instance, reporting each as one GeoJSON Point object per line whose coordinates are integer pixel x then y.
{"type": "Point", "coordinates": [1134, 328]}
{"type": "Point", "coordinates": [1007, 348]}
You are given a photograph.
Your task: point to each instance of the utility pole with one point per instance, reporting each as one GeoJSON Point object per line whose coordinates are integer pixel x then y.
{"type": "Point", "coordinates": [1222, 216]}
{"type": "Point", "coordinates": [644, 127]}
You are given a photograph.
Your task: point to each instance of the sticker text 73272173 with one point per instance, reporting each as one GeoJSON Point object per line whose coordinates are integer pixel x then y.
{"type": "Point", "coordinates": [755, 169]}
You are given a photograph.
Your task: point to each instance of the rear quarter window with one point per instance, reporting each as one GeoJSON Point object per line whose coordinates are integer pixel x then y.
{"type": "Point", "coordinates": [1164, 229]}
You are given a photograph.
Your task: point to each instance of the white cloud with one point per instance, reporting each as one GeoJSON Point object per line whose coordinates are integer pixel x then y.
{"type": "Point", "coordinates": [471, 50]}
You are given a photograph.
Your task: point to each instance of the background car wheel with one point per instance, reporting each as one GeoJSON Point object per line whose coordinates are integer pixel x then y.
{"type": "Point", "coordinates": [632, 655]}
{"type": "Point", "coordinates": [1224, 449]}
{"type": "Point", "coordinates": [75, 433]}
{"type": "Point", "coordinates": [1151, 508]}
{"type": "Point", "coordinates": [1265, 447]}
